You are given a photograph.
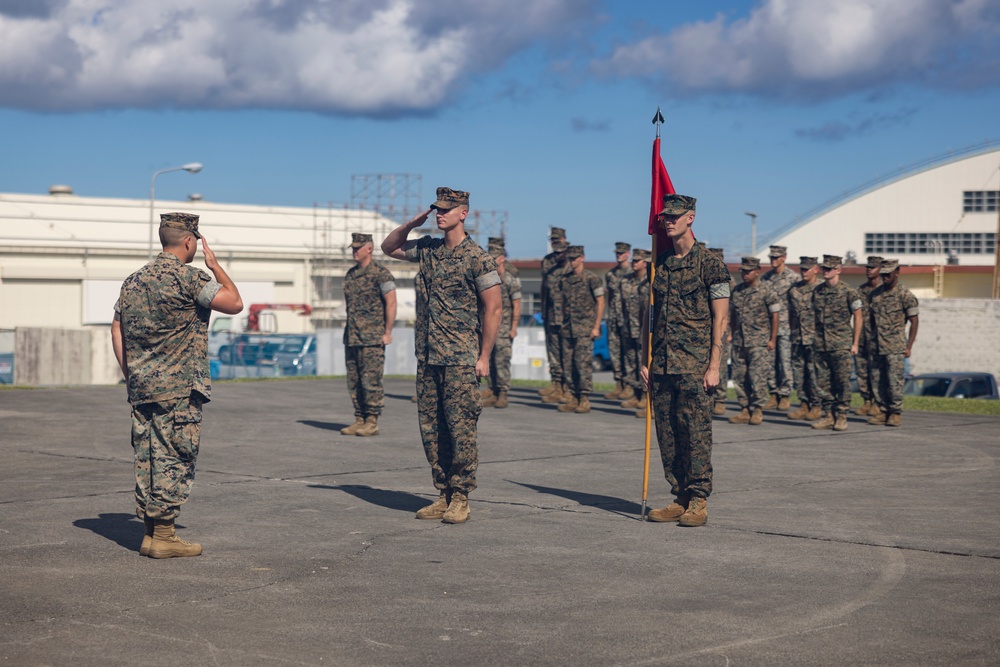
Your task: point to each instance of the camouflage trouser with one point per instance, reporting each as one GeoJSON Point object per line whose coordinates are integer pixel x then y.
{"type": "Point", "coordinates": [804, 368]}
{"type": "Point", "coordinates": [165, 440]}
{"type": "Point", "coordinates": [833, 380]}
{"type": "Point", "coordinates": [365, 365]}
{"type": "Point", "coordinates": [500, 364]}
{"type": "Point", "coordinates": [615, 349]}
{"type": "Point", "coordinates": [448, 405]}
{"type": "Point", "coordinates": [750, 366]}
{"type": "Point", "coordinates": [631, 363]}
{"type": "Point", "coordinates": [578, 364]}
{"type": "Point", "coordinates": [721, 392]}
{"type": "Point", "coordinates": [862, 364]}
{"type": "Point", "coordinates": [887, 382]}
{"type": "Point", "coordinates": [683, 415]}
{"type": "Point", "coordinates": [779, 380]}
{"type": "Point", "coordinates": [553, 348]}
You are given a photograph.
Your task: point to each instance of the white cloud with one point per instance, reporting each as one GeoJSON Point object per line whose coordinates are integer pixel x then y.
{"type": "Point", "coordinates": [818, 48]}
{"type": "Point", "coordinates": [366, 57]}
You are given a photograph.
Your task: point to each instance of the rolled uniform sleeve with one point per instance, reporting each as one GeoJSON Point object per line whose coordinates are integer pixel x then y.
{"type": "Point", "coordinates": [487, 280]}
{"type": "Point", "coordinates": [208, 293]}
{"type": "Point", "coordinates": [515, 289]}
{"type": "Point", "coordinates": [718, 291]}
{"type": "Point", "coordinates": [118, 310]}
{"type": "Point", "coordinates": [911, 305]}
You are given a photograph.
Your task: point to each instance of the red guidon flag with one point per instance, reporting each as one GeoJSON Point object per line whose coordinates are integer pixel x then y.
{"type": "Point", "coordinates": [661, 186]}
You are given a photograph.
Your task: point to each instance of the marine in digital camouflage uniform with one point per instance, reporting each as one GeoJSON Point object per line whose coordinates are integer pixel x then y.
{"type": "Point", "coordinates": [753, 320]}
{"type": "Point", "coordinates": [615, 313]}
{"type": "Point", "coordinates": [453, 345]}
{"type": "Point", "coordinates": [722, 391]}
{"type": "Point", "coordinates": [583, 306]}
{"type": "Point", "coordinates": [690, 307]}
{"type": "Point", "coordinates": [802, 321]}
{"type": "Point", "coordinates": [892, 306]}
{"type": "Point", "coordinates": [837, 307]}
{"type": "Point", "coordinates": [554, 266]}
{"type": "Point", "coordinates": [635, 304]}
{"type": "Point", "coordinates": [780, 279]}
{"type": "Point", "coordinates": [863, 360]}
{"type": "Point", "coordinates": [510, 298]}
{"type": "Point", "coordinates": [160, 339]}
{"type": "Point", "coordinates": [370, 295]}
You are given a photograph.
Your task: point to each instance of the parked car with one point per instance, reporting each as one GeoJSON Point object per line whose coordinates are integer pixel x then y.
{"type": "Point", "coordinates": [249, 350]}
{"type": "Point", "coordinates": [297, 355]}
{"type": "Point", "coordinates": [953, 385]}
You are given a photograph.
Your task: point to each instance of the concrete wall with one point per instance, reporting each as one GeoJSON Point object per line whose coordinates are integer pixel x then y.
{"type": "Point", "coordinates": [52, 356]}
{"type": "Point", "coordinates": [957, 335]}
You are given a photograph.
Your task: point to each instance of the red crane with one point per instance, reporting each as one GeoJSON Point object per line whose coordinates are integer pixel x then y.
{"type": "Point", "coordinates": [253, 318]}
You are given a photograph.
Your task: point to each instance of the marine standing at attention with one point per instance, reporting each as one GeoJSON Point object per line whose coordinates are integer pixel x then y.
{"type": "Point", "coordinates": [753, 321]}
{"type": "Point", "coordinates": [780, 279]}
{"type": "Point", "coordinates": [160, 339]}
{"type": "Point", "coordinates": [866, 346]}
{"type": "Point", "coordinates": [690, 310]}
{"type": "Point", "coordinates": [583, 306]}
{"type": "Point", "coordinates": [554, 267]}
{"type": "Point", "coordinates": [495, 395]}
{"type": "Point", "coordinates": [803, 327]}
{"type": "Point", "coordinates": [458, 316]}
{"type": "Point", "coordinates": [370, 294]}
{"type": "Point", "coordinates": [613, 300]}
{"type": "Point", "coordinates": [892, 306]}
{"type": "Point", "coordinates": [722, 391]}
{"type": "Point", "coordinates": [635, 305]}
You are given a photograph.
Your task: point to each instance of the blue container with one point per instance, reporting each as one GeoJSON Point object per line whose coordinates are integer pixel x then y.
{"type": "Point", "coordinates": [214, 368]}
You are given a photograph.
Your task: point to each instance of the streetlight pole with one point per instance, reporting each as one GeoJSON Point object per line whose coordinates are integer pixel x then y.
{"type": "Point", "coordinates": [753, 232]}
{"type": "Point", "coordinates": [193, 167]}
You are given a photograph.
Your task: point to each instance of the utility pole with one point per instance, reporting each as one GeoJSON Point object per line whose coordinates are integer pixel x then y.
{"type": "Point", "coordinates": [753, 233]}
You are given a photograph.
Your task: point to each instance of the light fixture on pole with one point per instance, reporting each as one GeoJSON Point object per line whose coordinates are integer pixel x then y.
{"type": "Point", "coordinates": [193, 167]}
{"type": "Point", "coordinates": [753, 232]}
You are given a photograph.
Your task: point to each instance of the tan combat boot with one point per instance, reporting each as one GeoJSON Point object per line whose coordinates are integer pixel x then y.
{"type": "Point", "coordinates": [719, 409]}
{"type": "Point", "coordinates": [696, 514]}
{"type": "Point", "coordinates": [875, 416]}
{"type": "Point", "coordinates": [458, 509]}
{"type": "Point", "coordinates": [815, 412]}
{"type": "Point", "coordinates": [756, 417]}
{"type": "Point", "coordinates": [825, 422]}
{"type": "Point", "coordinates": [485, 393]}
{"type": "Point", "coordinates": [569, 407]}
{"type": "Point", "coordinates": [614, 393]}
{"type": "Point", "coordinates": [742, 418]}
{"type": "Point", "coordinates": [840, 423]}
{"type": "Point", "coordinates": [413, 399]}
{"type": "Point", "coordinates": [772, 402]}
{"type": "Point", "coordinates": [370, 426]}
{"type": "Point", "coordinates": [567, 395]}
{"type": "Point", "coordinates": [436, 509]}
{"type": "Point", "coordinates": [545, 391]}
{"type": "Point", "coordinates": [501, 401]}
{"type": "Point", "coordinates": [640, 412]}
{"type": "Point", "coordinates": [489, 400]}
{"type": "Point", "coordinates": [553, 396]}
{"type": "Point", "coordinates": [631, 403]}
{"type": "Point", "coordinates": [800, 413]}
{"type": "Point", "coordinates": [784, 403]}
{"type": "Point", "coordinates": [166, 544]}
{"type": "Point", "coordinates": [895, 419]}
{"type": "Point", "coordinates": [583, 405]}
{"type": "Point", "coordinates": [671, 512]}
{"type": "Point", "coordinates": [353, 428]}
{"type": "Point", "coordinates": [627, 393]}
{"type": "Point", "coordinates": [147, 538]}
{"type": "Point", "coordinates": [864, 409]}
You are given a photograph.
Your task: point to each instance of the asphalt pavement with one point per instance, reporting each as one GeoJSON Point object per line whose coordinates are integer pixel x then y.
{"type": "Point", "coordinates": [875, 546]}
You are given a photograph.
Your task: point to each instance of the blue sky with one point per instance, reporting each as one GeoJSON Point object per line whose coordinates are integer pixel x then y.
{"type": "Point", "coordinates": [540, 109]}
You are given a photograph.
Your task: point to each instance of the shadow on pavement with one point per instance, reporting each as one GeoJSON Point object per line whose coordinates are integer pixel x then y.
{"type": "Point", "coordinates": [124, 529]}
{"type": "Point", "coordinates": [394, 500]}
{"type": "Point", "coordinates": [326, 426]}
{"type": "Point", "coordinates": [609, 503]}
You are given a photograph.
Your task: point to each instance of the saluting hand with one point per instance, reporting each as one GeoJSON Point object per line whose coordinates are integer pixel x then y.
{"type": "Point", "coordinates": [210, 261]}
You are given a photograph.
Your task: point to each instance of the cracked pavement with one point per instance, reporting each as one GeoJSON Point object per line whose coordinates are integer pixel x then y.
{"type": "Point", "coordinates": [871, 546]}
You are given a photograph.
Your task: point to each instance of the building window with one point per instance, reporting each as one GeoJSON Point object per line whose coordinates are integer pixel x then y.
{"type": "Point", "coordinates": [980, 201]}
{"type": "Point", "coordinates": [930, 243]}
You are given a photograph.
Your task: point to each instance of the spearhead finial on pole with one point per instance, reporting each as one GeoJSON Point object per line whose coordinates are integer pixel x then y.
{"type": "Point", "coordinates": [657, 121]}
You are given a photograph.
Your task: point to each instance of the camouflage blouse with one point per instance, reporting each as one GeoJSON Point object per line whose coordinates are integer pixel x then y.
{"type": "Point", "coordinates": [780, 283]}
{"type": "Point", "coordinates": [834, 307]}
{"type": "Point", "coordinates": [801, 319]}
{"type": "Point", "coordinates": [552, 302]}
{"type": "Point", "coordinates": [890, 310]}
{"type": "Point", "coordinates": [750, 309]}
{"type": "Point", "coordinates": [364, 293]}
{"type": "Point", "coordinates": [448, 284]}
{"type": "Point", "coordinates": [510, 291]}
{"type": "Point", "coordinates": [683, 289]}
{"type": "Point", "coordinates": [613, 294]}
{"type": "Point", "coordinates": [635, 303]}
{"type": "Point", "coordinates": [579, 297]}
{"type": "Point", "coordinates": [164, 309]}
{"type": "Point", "coordinates": [865, 291]}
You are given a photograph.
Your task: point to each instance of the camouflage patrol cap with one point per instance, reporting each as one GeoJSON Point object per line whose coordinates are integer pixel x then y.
{"type": "Point", "coordinates": [807, 262]}
{"type": "Point", "coordinates": [778, 251]}
{"type": "Point", "coordinates": [831, 261]}
{"type": "Point", "coordinates": [749, 263]}
{"type": "Point", "coordinates": [559, 245]}
{"type": "Point", "coordinates": [186, 221]}
{"type": "Point", "coordinates": [496, 247]}
{"type": "Point", "coordinates": [621, 246]}
{"type": "Point", "coordinates": [874, 262]}
{"type": "Point", "coordinates": [575, 251]}
{"type": "Point", "coordinates": [358, 240]}
{"type": "Point", "coordinates": [888, 265]}
{"type": "Point", "coordinates": [448, 198]}
{"type": "Point", "coordinates": [677, 204]}
{"type": "Point", "coordinates": [556, 233]}
{"type": "Point", "coordinates": [640, 253]}
{"type": "Point", "coordinates": [718, 252]}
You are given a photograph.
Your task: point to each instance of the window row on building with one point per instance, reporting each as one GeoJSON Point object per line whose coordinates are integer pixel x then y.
{"type": "Point", "coordinates": [980, 201]}
{"type": "Point", "coordinates": [930, 243]}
